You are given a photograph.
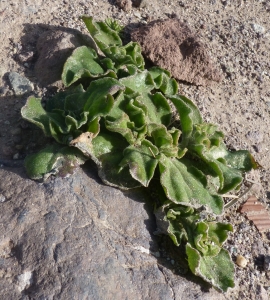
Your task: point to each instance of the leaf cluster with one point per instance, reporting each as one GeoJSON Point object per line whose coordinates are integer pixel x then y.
{"type": "Point", "coordinates": [120, 115]}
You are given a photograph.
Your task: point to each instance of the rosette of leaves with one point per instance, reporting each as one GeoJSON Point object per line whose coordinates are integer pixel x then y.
{"type": "Point", "coordinates": [203, 238]}
{"type": "Point", "coordinates": [118, 114]}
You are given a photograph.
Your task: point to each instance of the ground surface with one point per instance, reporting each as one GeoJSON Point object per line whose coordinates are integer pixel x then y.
{"type": "Point", "coordinates": [238, 35]}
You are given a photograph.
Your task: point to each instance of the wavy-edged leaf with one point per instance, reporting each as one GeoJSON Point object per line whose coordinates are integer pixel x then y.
{"type": "Point", "coordinates": [210, 236]}
{"type": "Point", "coordinates": [217, 270]}
{"type": "Point", "coordinates": [189, 116]}
{"type": "Point", "coordinates": [103, 35]}
{"type": "Point", "coordinates": [182, 184]}
{"type": "Point", "coordinates": [83, 62]}
{"type": "Point", "coordinates": [99, 96]}
{"type": "Point", "coordinates": [166, 141]}
{"type": "Point", "coordinates": [128, 117]}
{"type": "Point", "coordinates": [163, 81]}
{"type": "Point", "coordinates": [58, 101]}
{"type": "Point", "coordinates": [106, 150]}
{"type": "Point", "coordinates": [141, 160]}
{"type": "Point", "coordinates": [33, 112]}
{"type": "Point", "coordinates": [229, 166]}
{"type": "Point", "coordinates": [140, 82]}
{"type": "Point", "coordinates": [53, 160]}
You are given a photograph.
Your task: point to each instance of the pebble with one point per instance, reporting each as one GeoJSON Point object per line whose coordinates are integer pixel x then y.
{"type": "Point", "coordinates": [16, 156]}
{"type": "Point", "coordinates": [19, 83]}
{"type": "Point", "coordinates": [2, 198]}
{"type": "Point", "coordinates": [258, 28]}
{"type": "Point", "coordinates": [241, 261]}
{"type": "Point", "coordinates": [137, 14]}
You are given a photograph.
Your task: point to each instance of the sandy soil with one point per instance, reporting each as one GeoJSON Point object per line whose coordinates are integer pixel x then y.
{"type": "Point", "coordinates": [238, 36]}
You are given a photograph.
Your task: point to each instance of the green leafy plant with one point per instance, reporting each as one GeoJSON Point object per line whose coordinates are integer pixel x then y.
{"type": "Point", "coordinates": [119, 114]}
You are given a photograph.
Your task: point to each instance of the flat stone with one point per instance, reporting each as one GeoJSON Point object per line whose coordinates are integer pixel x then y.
{"type": "Point", "coordinates": [20, 84]}
{"type": "Point", "coordinates": [74, 238]}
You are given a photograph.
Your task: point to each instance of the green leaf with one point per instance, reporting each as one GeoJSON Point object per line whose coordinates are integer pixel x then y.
{"type": "Point", "coordinates": [99, 96]}
{"type": "Point", "coordinates": [217, 270]}
{"type": "Point", "coordinates": [106, 150]}
{"type": "Point", "coordinates": [53, 160]}
{"type": "Point", "coordinates": [140, 82]}
{"type": "Point", "coordinates": [182, 185]}
{"type": "Point", "coordinates": [33, 112]}
{"type": "Point", "coordinates": [58, 100]}
{"type": "Point", "coordinates": [82, 63]}
{"type": "Point", "coordinates": [141, 160]}
{"type": "Point", "coordinates": [166, 141]}
{"type": "Point", "coordinates": [114, 25]}
{"type": "Point", "coordinates": [128, 117]}
{"type": "Point", "coordinates": [189, 116]}
{"type": "Point", "coordinates": [163, 81]}
{"type": "Point", "coordinates": [209, 237]}
{"type": "Point", "coordinates": [103, 35]}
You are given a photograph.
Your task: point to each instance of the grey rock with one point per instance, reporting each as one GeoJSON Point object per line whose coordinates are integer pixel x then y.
{"type": "Point", "coordinates": [75, 238]}
{"type": "Point", "coordinates": [19, 83]}
{"type": "Point", "coordinates": [2, 198]}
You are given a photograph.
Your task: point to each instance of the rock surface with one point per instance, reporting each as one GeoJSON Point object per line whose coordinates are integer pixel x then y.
{"type": "Point", "coordinates": [171, 45]}
{"type": "Point", "coordinates": [75, 238]}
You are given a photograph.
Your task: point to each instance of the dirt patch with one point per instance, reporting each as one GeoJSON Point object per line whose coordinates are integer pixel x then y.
{"type": "Point", "coordinates": [171, 45]}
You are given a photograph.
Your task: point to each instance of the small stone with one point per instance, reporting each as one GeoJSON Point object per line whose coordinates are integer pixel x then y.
{"type": "Point", "coordinates": [126, 5]}
{"type": "Point", "coordinates": [137, 14]}
{"type": "Point", "coordinates": [16, 156]}
{"type": "Point", "coordinates": [6, 248]}
{"type": "Point", "coordinates": [258, 28]}
{"type": "Point", "coordinates": [241, 261]}
{"type": "Point", "coordinates": [19, 84]}
{"type": "Point", "coordinates": [25, 280]}
{"type": "Point", "coordinates": [2, 198]}
{"type": "Point", "coordinates": [7, 122]}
